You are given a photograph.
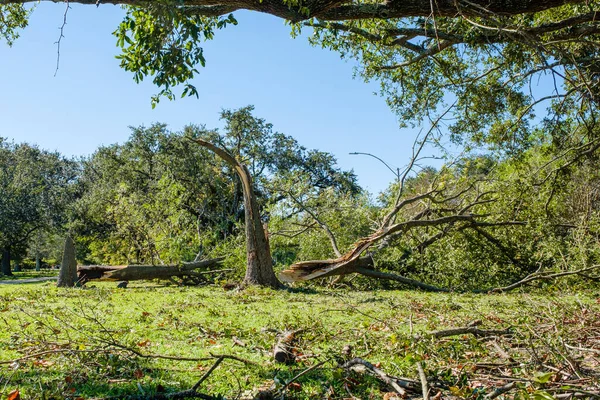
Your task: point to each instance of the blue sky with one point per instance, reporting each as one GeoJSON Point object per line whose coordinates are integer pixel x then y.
{"type": "Point", "coordinates": [304, 91]}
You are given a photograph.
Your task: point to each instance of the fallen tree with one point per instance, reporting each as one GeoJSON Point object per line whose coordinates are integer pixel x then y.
{"type": "Point", "coordinates": [148, 272]}
{"type": "Point", "coordinates": [437, 209]}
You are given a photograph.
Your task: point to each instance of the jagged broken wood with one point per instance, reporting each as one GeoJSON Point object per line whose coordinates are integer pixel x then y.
{"type": "Point", "coordinates": [283, 352]}
{"type": "Point", "coordinates": [147, 272]}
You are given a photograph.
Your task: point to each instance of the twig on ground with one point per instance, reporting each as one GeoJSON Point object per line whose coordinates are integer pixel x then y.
{"type": "Point", "coordinates": [379, 373]}
{"type": "Point", "coordinates": [283, 349]}
{"type": "Point", "coordinates": [465, 330]}
{"type": "Point", "coordinates": [501, 390]}
{"type": "Point", "coordinates": [298, 376]}
{"type": "Point", "coordinates": [595, 351]}
{"type": "Point", "coordinates": [207, 374]}
{"type": "Point", "coordinates": [423, 378]}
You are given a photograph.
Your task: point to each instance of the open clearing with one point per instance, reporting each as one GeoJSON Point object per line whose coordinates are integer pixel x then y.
{"type": "Point", "coordinates": [103, 341]}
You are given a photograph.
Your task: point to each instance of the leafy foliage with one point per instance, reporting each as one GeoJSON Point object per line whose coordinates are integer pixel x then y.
{"type": "Point", "coordinates": [493, 73]}
{"type": "Point", "coordinates": [13, 17]}
{"type": "Point", "coordinates": [36, 187]}
{"type": "Point", "coordinates": [162, 40]}
{"type": "Point", "coordinates": [161, 198]}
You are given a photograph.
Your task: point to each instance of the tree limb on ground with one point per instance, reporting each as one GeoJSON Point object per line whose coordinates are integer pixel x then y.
{"type": "Point", "coordinates": [394, 383]}
{"type": "Point", "coordinates": [144, 272]}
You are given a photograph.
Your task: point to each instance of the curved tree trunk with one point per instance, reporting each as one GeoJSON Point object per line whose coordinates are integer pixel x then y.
{"type": "Point", "coordinates": [6, 262]}
{"type": "Point", "coordinates": [259, 268]}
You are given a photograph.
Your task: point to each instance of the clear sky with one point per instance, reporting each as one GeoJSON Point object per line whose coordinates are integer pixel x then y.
{"type": "Point", "coordinates": [304, 91]}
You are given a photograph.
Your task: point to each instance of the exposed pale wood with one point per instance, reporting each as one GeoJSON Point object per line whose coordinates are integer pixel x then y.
{"type": "Point", "coordinates": [283, 349]}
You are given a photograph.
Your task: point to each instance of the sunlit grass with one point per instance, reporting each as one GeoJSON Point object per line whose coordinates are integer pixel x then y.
{"type": "Point", "coordinates": [197, 322]}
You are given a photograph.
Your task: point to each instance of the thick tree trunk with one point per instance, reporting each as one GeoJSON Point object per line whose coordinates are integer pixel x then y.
{"type": "Point", "coordinates": [259, 264]}
{"type": "Point", "coordinates": [38, 262]}
{"type": "Point", "coordinates": [146, 272]}
{"type": "Point", "coordinates": [6, 262]}
{"type": "Point", "coordinates": [68, 269]}
{"type": "Point", "coordinates": [259, 267]}
{"type": "Point", "coordinates": [336, 10]}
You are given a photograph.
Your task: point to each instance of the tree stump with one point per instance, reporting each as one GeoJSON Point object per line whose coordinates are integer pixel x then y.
{"type": "Point", "coordinates": [68, 269]}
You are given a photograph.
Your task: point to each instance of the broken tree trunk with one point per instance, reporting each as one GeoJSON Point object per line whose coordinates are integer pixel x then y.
{"type": "Point", "coordinates": [306, 270]}
{"type": "Point", "coordinates": [283, 352]}
{"type": "Point", "coordinates": [350, 262]}
{"type": "Point", "coordinates": [68, 269]}
{"type": "Point", "coordinates": [90, 272]}
{"type": "Point", "coordinates": [145, 272]}
{"type": "Point", "coordinates": [259, 269]}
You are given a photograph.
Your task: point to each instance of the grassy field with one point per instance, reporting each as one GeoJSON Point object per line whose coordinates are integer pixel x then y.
{"type": "Point", "coordinates": [150, 340]}
{"type": "Point", "coordinates": [29, 274]}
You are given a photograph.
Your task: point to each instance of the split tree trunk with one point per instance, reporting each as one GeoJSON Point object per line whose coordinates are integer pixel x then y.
{"type": "Point", "coordinates": [259, 267]}
{"type": "Point", "coordinates": [68, 269]}
{"type": "Point", "coordinates": [6, 262]}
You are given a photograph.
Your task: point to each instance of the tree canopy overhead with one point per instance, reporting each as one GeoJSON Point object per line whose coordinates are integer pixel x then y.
{"type": "Point", "coordinates": [338, 10]}
{"type": "Point", "coordinates": [421, 52]}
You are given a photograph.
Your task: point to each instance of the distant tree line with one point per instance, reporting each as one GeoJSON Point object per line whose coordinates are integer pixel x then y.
{"type": "Point", "coordinates": [160, 198]}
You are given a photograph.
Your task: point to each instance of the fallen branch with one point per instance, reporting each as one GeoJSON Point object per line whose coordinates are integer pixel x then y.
{"type": "Point", "coordinates": [207, 374]}
{"type": "Point", "coordinates": [146, 272]}
{"type": "Point", "coordinates": [283, 350]}
{"type": "Point", "coordinates": [423, 378]}
{"type": "Point", "coordinates": [472, 330]}
{"type": "Point", "coordinates": [595, 351]}
{"type": "Point", "coordinates": [184, 394]}
{"type": "Point", "coordinates": [298, 376]}
{"type": "Point", "coordinates": [398, 278]}
{"type": "Point", "coordinates": [541, 276]}
{"type": "Point", "coordinates": [130, 350]}
{"type": "Point", "coordinates": [501, 390]}
{"type": "Point", "coordinates": [379, 373]}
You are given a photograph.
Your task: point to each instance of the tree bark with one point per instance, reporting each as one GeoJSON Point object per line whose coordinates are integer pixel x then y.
{"type": "Point", "coordinates": [146, 272]}
{"type": "Point", "coordinates": [68, 269]}
{"type": "Point", "coordinates": [38, 262]}
{"type": "Point", "coordinates": [259, 264]}
{"type": "Point", "coordinates": [6, 262]}
{"type": "Point", "coordinates": [339, 10]}
{"type": "Point", "coordinates": [283, 352]}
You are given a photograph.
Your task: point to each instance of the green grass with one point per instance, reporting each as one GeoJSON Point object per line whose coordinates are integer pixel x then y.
{"type": "Point", "coordinates": [29, 274]}
{"type": "Point", "coordinates": [87, 334]}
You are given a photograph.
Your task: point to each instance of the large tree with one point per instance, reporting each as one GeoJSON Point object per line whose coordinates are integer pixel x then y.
{"type": "Point", "coordinates": [159, 197]}
{"type": "Point", "coordinates": [35, 188]}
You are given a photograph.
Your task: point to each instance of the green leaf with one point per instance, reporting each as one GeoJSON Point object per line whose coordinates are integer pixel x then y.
{"type": "Point", "coordinates": [542, 395]}
{"type": "Point", "coordinates": [543, 377]}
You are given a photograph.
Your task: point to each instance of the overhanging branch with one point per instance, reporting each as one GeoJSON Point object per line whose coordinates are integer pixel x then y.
{"type": "Point", "coordinates": [336, 10]}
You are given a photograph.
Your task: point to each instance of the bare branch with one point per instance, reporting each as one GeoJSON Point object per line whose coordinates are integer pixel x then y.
{"type": "Point", "coordinates": [61, 36]}
{"type": "Point", "coordinates": [323, 225]}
